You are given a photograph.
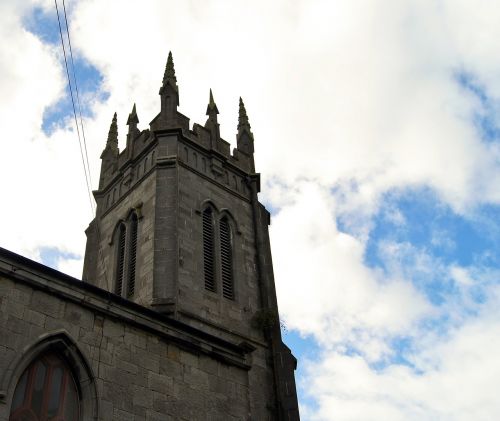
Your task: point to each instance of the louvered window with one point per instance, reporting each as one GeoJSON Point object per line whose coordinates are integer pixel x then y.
{"type": "Point", "coordinates": [226, 259]}
{"type": "Point", "coordinates": [120, 267]}
{"type": "Point", "coordinates": [208, 249]}
{"type": "Point", "coordinates": [132, 256]}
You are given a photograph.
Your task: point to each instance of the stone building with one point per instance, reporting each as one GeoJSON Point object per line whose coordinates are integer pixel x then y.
{"type": "Point", "coordinates": [176, 317]}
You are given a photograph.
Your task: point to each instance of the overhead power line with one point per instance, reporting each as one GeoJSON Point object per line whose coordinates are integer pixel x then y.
{"type": "Point", "coordinates": [83, 150]}
{"type": "Point", "coordinates": [77, 94]}
{"type": "Point", "coordinates": [83, 145]}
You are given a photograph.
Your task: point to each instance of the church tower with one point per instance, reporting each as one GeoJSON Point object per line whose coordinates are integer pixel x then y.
{"type": "Point", "coordinates": [179, 229]}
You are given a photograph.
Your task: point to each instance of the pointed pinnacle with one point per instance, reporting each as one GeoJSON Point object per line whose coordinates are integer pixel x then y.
{"type": "Point", "coordinates": [212, 102]}
{"type": "Point", "coordinates": [212, 107]}
{"type": "Point", "coordinates": [132, 117]}
{"type": "Point", "coordinates": [113, 134]}
{"type": "Point", "coordinates": [169, 75]}
{"type": "Point", "coordinates": [243, 122]}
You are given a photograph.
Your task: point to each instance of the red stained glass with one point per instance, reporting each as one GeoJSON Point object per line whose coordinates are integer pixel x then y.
{"type": "Point", "coordinates": [46, 392]}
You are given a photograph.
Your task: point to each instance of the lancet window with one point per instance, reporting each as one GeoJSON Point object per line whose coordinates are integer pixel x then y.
{"type": "Point", "coordinates": [218, 254]}
{"type": "Point", "coordinates": [208, 249]}
{"type": "Point", "coordinates": [126, 256]}
{"type": "Point", "coordinates": [46, 391]}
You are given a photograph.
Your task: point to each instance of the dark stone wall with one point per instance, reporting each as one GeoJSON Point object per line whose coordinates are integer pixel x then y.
{"type": "Point", "coordinates": [169, 174]}
{"type": "Point", "coordinates": [129, 363]}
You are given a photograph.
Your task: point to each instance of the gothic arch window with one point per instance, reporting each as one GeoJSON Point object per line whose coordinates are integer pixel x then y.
{"type": "Point", "coordinates": [132, 259]}
{"type": "Point", "coordinates": [226, 258]}
{"type": "Point", "coordinates": [208, 249]}
{"type": "Point", "coordinates": [46, 391]}
{"type": "Point", "coordinates": [120, 258]}
{"type": "Point", "coordinates": [218, 251]}
{"type": "Point", "coordinates": [125, 241]}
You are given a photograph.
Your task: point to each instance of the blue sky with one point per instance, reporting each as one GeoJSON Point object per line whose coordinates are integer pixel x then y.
{"type": "Point", "coordinates": [377, 136]}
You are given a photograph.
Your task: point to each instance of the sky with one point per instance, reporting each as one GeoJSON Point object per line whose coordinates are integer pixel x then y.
{"type": "Point", "coordinates": [377, 134]}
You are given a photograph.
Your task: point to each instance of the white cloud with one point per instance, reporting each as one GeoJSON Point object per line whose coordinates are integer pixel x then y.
{"type": "Point", "coordinates": [341, 301]}
{"type": "Point", "coordinates": [71, 266]}
{"type": "Point", "coordinates": [41, 191]}
{"type": "Point", "coordinates": [454, 378]}
{"type": "Point", "coordinates": [461, 275]}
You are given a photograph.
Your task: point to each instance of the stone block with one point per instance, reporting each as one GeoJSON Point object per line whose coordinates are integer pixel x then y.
{"type": "Point", "coordinates": [76, 315]}
{"type": "Point", "coordinates": [142, 397]}
{"type": "Point", "coordinates": [160, 383]}
{"type": "Point", "coordinates": [34, 317]}
{"type": "Point", "coordinates": [113, 330]}
{"type": "Point", "coordinates": [46, 304]}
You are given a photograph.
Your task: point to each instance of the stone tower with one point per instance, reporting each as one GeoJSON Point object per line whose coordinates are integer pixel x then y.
{"type": "Point", "coordinates": [179, 229]}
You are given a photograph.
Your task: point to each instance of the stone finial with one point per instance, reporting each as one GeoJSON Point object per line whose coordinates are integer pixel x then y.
{"type": "Point", "coordinates": [212, 107]}
{"type": "Point", "coordinates": [132, 117]}
{"type": "Point", "coordinates": [169, 75]}
{"type": "Point", "coordinates": [169, 91]}
{"type": "Point", "coordinates": [212, 123]}
{"type": "Point", "coordinates": [244, 137]}
{"type": "Point", "coordinates": [133, 132]}
{"type": "Point", "coordinates": [112, 142]}
{"type": "Point", "coordinates": [110, 152]}
{"type": "Point", "coordinates": [243, 123]}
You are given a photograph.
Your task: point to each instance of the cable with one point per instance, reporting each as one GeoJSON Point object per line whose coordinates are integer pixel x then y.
{"type": "Point", "coordinates": [83, 151]}
{"type": "Point", "coordinates": [77, 94]}
{"type": "Point", "coordinates": [74, 112]}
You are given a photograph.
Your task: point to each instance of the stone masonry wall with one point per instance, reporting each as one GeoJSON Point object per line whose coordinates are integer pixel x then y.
{"type": "Point", "coordinates": [138, 375]}
{"type": "Point", "coordinates": [142, 193]}
{"type": "Point", "coordinates": [194, 190]}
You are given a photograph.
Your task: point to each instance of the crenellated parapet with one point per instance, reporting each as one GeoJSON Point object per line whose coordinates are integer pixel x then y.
{"type": "Point", "coordinates": [201, 147]}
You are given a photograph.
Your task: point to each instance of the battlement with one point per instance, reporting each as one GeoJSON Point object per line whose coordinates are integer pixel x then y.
{"type": "Point", "coordinates": [200, 147]}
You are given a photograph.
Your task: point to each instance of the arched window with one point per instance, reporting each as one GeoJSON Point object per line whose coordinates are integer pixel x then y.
{"type": "Point", "coordinates": [125, 243]}
{"type": "Point", "coordinates": [120, 259]}
{"type": "Point", "coordinates": [226, 258]}
{"type": "Point", "coordinates": [208, 249]}
{"type": "Point", "coordinates": [46, 391]}
{"type": "Point", "coordinates": [132, 255]}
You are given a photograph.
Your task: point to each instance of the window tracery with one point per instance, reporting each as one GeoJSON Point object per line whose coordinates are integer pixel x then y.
{"type": "Point", "coordinates": [46, 391]}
